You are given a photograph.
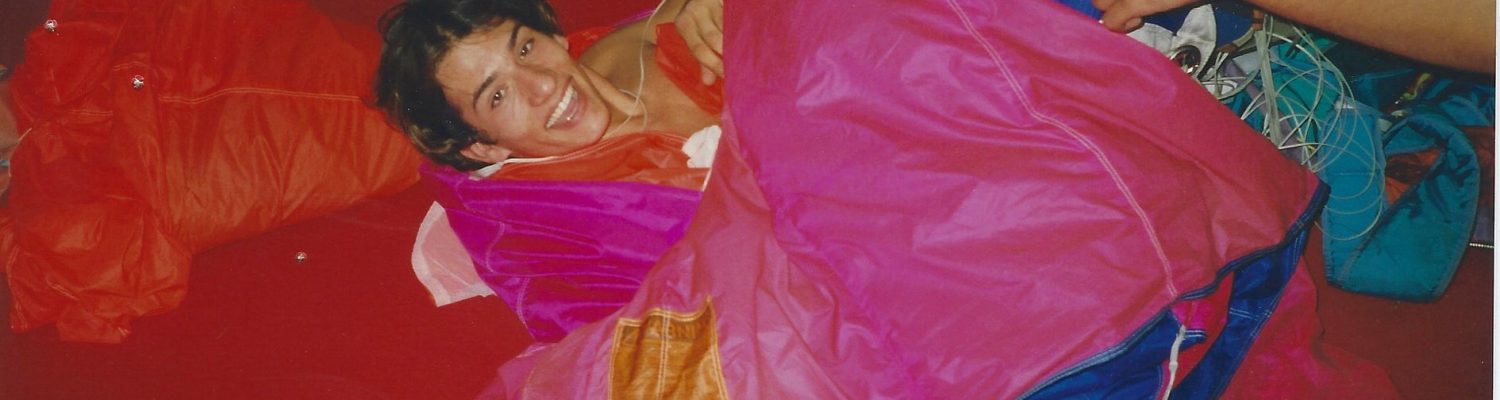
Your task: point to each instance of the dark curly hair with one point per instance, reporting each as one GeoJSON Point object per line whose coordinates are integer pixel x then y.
{"type": "Point", "coordinates": [417, 35]}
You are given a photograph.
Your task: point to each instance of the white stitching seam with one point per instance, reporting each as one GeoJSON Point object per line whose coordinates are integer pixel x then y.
{"type": "Point", "coordinates": [1092, 148]}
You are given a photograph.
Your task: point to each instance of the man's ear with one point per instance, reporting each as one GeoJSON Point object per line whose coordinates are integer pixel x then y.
{"type": "Point", "coordinates": [561, 39]}
{"type": "Point", "coordinates": [485, 152]}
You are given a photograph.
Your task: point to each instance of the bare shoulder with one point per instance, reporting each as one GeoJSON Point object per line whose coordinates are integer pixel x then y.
{"type": "Point", "coordinates": [620, 52]}
{"type": "Point", "coordinates": [622, 58]}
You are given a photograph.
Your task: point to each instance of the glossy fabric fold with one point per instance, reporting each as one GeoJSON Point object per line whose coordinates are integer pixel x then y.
{"type": "Point", "coordinates": [561, 253]}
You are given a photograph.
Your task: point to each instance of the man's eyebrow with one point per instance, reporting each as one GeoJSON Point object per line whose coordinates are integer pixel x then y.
{"type": "Point", "coordinates": [511, 47]}
{"type": "Point", "coordinates": [513, 32]}
{"type": "Point", "coordinates": [474, 104]}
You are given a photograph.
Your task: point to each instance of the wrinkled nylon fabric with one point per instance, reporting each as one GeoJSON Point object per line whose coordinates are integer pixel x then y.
{"type": "Point", "coordinates": [645, 157]}
{"type": "Point", "coordinates": [565, 242]}
{"type": "Point", "coordinates": [444, 266]}
{"type": "Point", "coordinates": [561, 254]}
{"type": "Point", "coordinates": [249, 115]}
{"type": "Point", "coordinates": [942, 200]}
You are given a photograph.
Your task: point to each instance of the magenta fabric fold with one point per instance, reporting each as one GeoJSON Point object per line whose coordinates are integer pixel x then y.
{"type": "Point", "coordinates": [561, 254]}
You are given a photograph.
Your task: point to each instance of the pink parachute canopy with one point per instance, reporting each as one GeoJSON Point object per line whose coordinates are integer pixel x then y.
{"type": "Point", "coordinates": [962, 199]}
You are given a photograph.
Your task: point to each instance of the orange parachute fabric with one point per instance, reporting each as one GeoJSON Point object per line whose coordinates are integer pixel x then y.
{"type": "Point", "coordinates": [155, 129]}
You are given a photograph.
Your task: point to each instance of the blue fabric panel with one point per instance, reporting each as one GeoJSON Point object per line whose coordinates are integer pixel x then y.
{"type": "Point", "coordinates": [1255, 293]}
{"type": "Point", "coordinates": [1133, 369]}
{"type": "Point", "coordinates": [1134, 372]}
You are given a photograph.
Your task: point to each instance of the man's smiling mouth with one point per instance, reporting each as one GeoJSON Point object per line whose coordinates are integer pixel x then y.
{"type": "Point", "coordinates": [566, 108]}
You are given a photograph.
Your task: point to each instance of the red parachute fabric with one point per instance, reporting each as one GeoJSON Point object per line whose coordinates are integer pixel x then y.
{"type": "Point", "coordinates": [647, 157]}
{"type": "Point", "coordinates": [948, 199]}
{"type": "Point", "coordinates": [158, 128]}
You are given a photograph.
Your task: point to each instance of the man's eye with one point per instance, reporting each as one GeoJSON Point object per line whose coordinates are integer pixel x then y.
{"type": "Point", "coordinates": [495, 98]}
{"type": "Point", "coordinates": [526, 48]}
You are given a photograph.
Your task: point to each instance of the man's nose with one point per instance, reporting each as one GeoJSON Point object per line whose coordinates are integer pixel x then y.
{"type": "Point", "coordinates": [540, 83]}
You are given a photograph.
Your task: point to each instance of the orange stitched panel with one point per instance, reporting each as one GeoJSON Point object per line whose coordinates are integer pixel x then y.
{"type": "Point", "coordinates": [667, 356]}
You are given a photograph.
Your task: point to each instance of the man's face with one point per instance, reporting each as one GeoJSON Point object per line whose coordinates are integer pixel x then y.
{"type": "Point", "coordinates": [523, 92]}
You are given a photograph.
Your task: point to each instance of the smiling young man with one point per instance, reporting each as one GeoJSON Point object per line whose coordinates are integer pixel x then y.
{"type": "Point", "coordinates": [483, 84]}
{"type": "Point", "coordinates": [477, 82]}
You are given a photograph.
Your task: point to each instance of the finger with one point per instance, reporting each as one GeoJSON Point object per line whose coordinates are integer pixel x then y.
{"type": "Point", "coordinates": [687, 27]}
{"type": "Point", "coordinates": [714, 39]}
{"type": "Point", "coordinates": [716, 14]}
{"type": "Point", "coordinates": [1121, 18]}
{"type": "Point", "coordinates": [716, 18]}
{"type": "Point", "coordinates": [716, 65]}
{"type": "Point", "coordinates": [708, 76]}
{"type": "Point", "coordinates": [1103, 5]}
{"type": "Point", "coordinates": [708, 58]}
{"type": "Point", "coordinates": [1125, 26]}
{"type": "Point", "coordinates": [710, 35]}
{"type": "Point", "coordinates": [702, 51]}
{"type": "Point", "coordinates": [706, 44]}
{"type": "Point", "coordinates": [1125, 15]}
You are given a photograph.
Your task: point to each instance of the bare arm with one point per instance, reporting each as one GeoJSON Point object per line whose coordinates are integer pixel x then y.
{"type": "Point", "coordinates": [1454, 33]}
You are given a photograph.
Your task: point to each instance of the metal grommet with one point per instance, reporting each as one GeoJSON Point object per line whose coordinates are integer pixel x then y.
{"type": "Point", "coordinates": [1189, 59]}
{"type": "Point", "coordinates": [137, 82]}
{"type": "Point", "coordinates": [50, 26]}
{"type": "Point", "coordinates": [301, 257]}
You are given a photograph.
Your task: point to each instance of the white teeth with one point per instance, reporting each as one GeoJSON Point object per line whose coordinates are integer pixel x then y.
{"type": "Point", "coordinates": [562, 106]}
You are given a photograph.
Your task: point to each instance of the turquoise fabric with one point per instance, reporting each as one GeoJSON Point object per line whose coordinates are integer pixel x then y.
{"type": "Point", "coordinates": [1407, 249]}
{"type": "Point", "coordinates": [1416, 245]}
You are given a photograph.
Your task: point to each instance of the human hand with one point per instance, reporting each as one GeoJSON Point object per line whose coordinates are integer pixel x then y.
{"type": "Point", "coordinates": [701, 24]}
{"type": "Point", "coordinates": [1125, 15]}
